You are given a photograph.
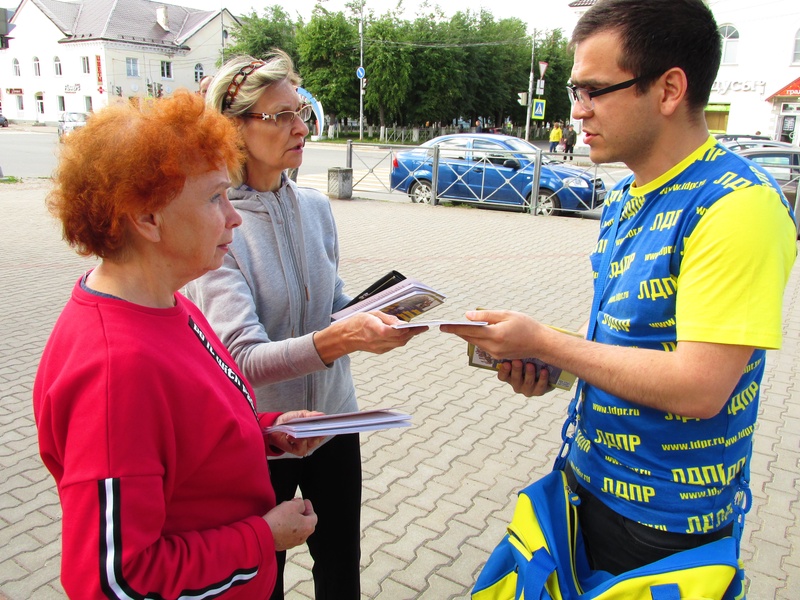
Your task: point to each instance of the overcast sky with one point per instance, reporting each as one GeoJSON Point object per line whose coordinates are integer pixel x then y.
{"type": "Point", "coordinates": [539, 14]}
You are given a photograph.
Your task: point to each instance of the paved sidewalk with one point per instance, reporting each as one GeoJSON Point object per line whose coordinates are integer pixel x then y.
{"type": "Point", "coordinates": [436, 496]}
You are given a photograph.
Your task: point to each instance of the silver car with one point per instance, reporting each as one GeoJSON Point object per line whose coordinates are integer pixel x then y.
{"type": "Point", "coordinates": [70, 121]}
{"type": "Point", "coordinates": [782, 163]}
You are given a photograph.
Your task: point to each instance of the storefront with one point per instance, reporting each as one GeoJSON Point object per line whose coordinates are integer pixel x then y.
{"type": "Point", "coordinates": [787, 107]}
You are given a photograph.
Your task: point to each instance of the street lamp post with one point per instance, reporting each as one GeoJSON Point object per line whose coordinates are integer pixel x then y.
{"type": "Point", "coordinates": [361, 80]}
{"type": "Point", "coordinates": [530, 90]}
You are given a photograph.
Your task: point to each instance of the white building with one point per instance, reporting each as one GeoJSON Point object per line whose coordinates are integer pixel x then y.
{"type": "Point", "coordinates": [79, 56]}
{"type": "Point", "coordinates": [758, 84]}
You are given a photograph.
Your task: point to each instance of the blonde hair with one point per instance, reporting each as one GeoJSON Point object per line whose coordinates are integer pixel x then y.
{"type": "Point", "coordinates": [275, 67]}
{"type": "Point", "coordinates": [247, 78]}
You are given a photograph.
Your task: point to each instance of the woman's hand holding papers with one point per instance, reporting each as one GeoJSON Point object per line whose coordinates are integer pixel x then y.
{"type": "Point", "coordinates": [287, 443]}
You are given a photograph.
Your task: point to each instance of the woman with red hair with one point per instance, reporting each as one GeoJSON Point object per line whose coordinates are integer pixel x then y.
{"type": "Point", "coordinates": [145, 422]}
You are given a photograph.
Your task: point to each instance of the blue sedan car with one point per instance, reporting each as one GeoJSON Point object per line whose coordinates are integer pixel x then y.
{"type": "Point", "coordinates": [493, 170]}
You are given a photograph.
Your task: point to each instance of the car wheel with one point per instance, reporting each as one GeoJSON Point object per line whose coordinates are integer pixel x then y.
{"type": "Point", "coordinates": [549, 203]}
{"type": "Point", "coordinates": [420, 192]}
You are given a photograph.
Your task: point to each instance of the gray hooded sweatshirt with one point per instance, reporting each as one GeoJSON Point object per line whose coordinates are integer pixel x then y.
{"type": "Point", "coordinates": [279, 284]}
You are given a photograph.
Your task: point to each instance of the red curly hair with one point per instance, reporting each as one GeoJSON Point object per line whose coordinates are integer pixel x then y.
{"type": "Point", "coordinates": [131, 159]}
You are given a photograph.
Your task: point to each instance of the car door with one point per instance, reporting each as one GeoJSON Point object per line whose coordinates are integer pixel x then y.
{"type": "Point", "coordinates": [489, 179]}
{"type": "Point", "coordinates": [453, 168]}
{"type": "Point", "coordinates": [784, 166]}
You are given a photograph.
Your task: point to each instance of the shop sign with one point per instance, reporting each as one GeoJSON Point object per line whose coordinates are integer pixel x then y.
{"type": "Point", "coordinates": [72, 88]}
{"type": "Point", "coordinates": [99, 70]}
{"type": "Point", "coordinates": [14, 91]}
{"type": "Point", "coordinates": [788, 91]}
{"type": "Point", "coordinates": [723, 87]}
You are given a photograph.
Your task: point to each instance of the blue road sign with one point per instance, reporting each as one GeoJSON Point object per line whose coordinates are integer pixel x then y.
{"type": "Point", "coordinates": [360, 72]}
{"type": "Point", "coordinates": [538, 109]}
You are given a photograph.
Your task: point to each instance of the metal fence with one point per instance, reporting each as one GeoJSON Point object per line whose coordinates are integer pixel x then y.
{"type": "Point", "coordinates": [510, 179]}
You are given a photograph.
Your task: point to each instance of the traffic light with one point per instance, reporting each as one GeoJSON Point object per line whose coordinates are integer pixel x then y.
{"type": "Point", "coordinates": [149, 89]}
{"type": "Point", "coordinates": [159, 90]}
{"type": "Point", "coordinates": [523, 98]}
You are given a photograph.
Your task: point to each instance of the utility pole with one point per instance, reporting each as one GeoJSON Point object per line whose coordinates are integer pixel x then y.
{"type": "Point", "coordinates": [530, 90]}
{"type": "Point", "coordinates": [361, 80]}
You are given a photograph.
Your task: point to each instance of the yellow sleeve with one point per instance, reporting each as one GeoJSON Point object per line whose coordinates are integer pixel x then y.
{"type": "Point", "coordinates": [735, 267]}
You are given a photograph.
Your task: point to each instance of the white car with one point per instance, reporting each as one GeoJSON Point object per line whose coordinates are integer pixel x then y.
{"type": "Point", "coordinates": [70, 121]}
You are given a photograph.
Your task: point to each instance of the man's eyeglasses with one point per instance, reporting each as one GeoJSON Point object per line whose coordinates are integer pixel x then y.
{"type": "Point", "coordinates": [284, 118]}
{"type": "Point", "coordinates": [237, 82]}
{"type": "Point", "coordinates": [584, 97]}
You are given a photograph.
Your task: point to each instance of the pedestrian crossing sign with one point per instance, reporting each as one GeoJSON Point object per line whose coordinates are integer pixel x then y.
{"type": "Point", "coordinates": [538, 109]}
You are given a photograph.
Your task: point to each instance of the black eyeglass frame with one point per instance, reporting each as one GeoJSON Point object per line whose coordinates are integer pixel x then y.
{"type": "Point", "coordinates": [577, 92]}
{"type": "Point", "coordinates": [304, 112]}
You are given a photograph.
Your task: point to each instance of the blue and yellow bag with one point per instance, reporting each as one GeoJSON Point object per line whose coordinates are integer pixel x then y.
{"type": "Point", "coordinates": [542, 557]}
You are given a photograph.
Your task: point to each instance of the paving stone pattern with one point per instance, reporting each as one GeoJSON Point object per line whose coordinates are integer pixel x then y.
{"type": "Point", "coordinates": [437, 496]}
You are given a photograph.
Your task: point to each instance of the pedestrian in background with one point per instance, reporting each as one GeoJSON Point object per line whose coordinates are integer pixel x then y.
{"type": "Point", "coordinates": [271, 304]}
{"type": "Point", "coordinates": [555, 136]}
{"type": "Point", "coordinates": [687, 306]}
{"type": "Point", "coordinates": [203, 85]}
{"type": "Point", "coordinates": [144, 420]}
{"type": "Point", "coordinates": [570, 138]}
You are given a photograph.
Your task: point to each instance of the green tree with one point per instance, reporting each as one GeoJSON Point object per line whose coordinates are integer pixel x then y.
{"type": "Point", "coordinates": [256, 35]}
{"type": "Point", "coordinates": [387, 60]}
{"type": "Point", "coordinates": [328, 46]}
{"type": "Point", "coordinates": [552, 48]}
{"type": "Point", "coordinates": [439, 76]}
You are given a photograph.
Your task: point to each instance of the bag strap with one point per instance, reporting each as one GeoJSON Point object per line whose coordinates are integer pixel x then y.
{"type": "Point", "coordinates": [571, 424]}
{"type": "Point", "coordinates": [537, 570]}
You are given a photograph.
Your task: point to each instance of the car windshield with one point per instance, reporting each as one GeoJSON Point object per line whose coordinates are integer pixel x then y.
{"type": "Point", "coordinates": [75, 117]}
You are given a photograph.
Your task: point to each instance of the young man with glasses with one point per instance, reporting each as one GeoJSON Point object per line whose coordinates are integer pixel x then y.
{"type": "Point", "coordinates": [694, 252]}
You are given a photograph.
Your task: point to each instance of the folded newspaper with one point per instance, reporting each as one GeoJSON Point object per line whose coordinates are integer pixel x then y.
{"type": "Point", "coordinates": [352, 422]}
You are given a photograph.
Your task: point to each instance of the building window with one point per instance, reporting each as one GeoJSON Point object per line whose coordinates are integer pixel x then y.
{"type": "Point", "coordinates": [132, 67]}
{"type": "Point", "coordinates": [61, 104]}
{"type": "Point", "coordinates": [166, 69]}
{"type": "Point", "coordinates": [198, 72]}
{"type": "Point", "coordinates": [88, 100]}
{"type": "Point", "coordinates": [36, 68]}
{"type": "Point", "coordinates": [85, 64]}
{"type": "Point", "coordinates": [730, 44]}
{"type": "Point", "coordinates": [57, 66]}
{"type": "Point", "coordinates": [797, 47]}
{"type": "Point", "coordinates": [16, 68]}
{"type": "Point", "coordinates": [20, 104]}
{"type": "Point", "coordinates": [40, 104]}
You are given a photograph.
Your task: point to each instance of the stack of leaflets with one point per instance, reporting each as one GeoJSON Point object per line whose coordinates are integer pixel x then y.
{"type": "Point", "coordinates": [396, 295]}
{"type": "Point", "coordinates": [353, 422]}
{"type": "Point", "coordinates": [557, 378]}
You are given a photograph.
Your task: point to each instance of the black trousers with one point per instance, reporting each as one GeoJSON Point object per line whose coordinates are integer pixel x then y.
{"type": "Point", "coordinates": [617, 544]}
{"type": "Point", "coordinates": [331, 479]}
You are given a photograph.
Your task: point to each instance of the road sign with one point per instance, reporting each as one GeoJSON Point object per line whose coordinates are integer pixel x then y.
{"type": "Point", "coordinates": [540, 87]}
{"type": "Point", "coordinates": [542, 68]}
{"type": "Point", "coordinates": [538, 109]}
{"type": "Point", "coordinates": [360, 72]}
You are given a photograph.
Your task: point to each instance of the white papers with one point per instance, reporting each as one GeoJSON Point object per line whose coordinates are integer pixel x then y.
{"type": "Point", "coordinates": [353, 422]}
{"type": "Point", "coordinates": [436, 323]}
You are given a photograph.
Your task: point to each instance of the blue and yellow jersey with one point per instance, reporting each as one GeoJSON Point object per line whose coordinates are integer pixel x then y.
{"type": "Point", "coordinates": [701, 254]}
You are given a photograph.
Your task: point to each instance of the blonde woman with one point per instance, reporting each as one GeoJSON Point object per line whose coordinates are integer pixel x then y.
{"type": "Point", "coordinates": [271, 304]}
